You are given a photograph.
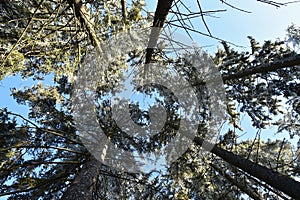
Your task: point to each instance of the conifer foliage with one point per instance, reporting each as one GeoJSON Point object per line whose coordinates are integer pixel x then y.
{"type": "Point", "coordinates": [42, 157]}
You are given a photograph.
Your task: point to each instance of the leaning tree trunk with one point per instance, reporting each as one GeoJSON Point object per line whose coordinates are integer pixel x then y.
{"type": "Point", "coordinates": [82, 186]}
{"type": "Point", "coordinates": [83, 16]}
{"type": "Point", "coordinates": [241, 185]}
{"type": "Point", "coordinates": [162, 9]}
{"type": "Point", "coordinates": [283, 183]}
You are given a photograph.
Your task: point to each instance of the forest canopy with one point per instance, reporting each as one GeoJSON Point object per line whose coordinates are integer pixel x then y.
{"type": "Point", "coordinates": [42, 155]}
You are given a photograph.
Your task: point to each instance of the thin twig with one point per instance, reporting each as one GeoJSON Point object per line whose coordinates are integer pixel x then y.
{"type": "Point", "coordinates": [279, 153]}
{"type": "Point", "coordinates": [23, 33]}
{"type": "Point", "coordinates": [202, 17]}
{"type": "Point", "coordinates": [205, 34]}
{"type": "Point", "coordinates": [234, 7]}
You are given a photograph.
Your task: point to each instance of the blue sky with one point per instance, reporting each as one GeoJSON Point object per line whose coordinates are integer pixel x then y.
{"type": "Point", "coordinates": [265, 22]}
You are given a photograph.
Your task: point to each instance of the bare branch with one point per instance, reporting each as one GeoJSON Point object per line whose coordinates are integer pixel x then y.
{"type": "Point", "coordinates": [201, 33]}
{"type": "Point", "coordinates": [84, 17]}
{"type": "Point", "coordinates": [182, 22]}
{"type": "Point", "coordinates": [273, 3]}
{"type": "Point", "coordinates": [234, 7]}
{"type": "Point", "coordinates": [202, 17]}
{"type": "Point", "coordinates": [277, 4]}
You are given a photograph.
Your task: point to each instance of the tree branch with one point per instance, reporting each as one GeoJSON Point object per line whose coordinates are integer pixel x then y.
{"type": "Point", "coordinates": [124, 12]}
{"type": "Point", "coordinates": [279, 64]}
{"type": "Point", "coordinates": [283, 183]}
{"type": "Point", "coordinates": [84, 17]}
{"type": "Point", "coordinates": [239, 184]}
{"type": "Point", "coordinates": [162, 9]}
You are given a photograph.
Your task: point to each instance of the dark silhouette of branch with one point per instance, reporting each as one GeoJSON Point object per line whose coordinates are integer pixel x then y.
{"type": "Point", "coordinates": [242, 185]}
{"type": "Point", "coordinates": [124, 12]}
{"type": "Point", "coordinates": [83, 16]}
{"type": "Point", "coordinates": [279, 64]}
{"type": "Point", "coordinates": [39, 186]}
{"type": "Point", "coordinates": [262, 69]}
{"type": "Point", "coordinates": [162, 9]}
{"type": "Point", "coordinates": [271, 189]}
{"type": "Point", "coordinates": [234, 7]}
{"type": "Point", "coordinates": [192, 15]}
{"type": "Point", "coordinates": [277, 4]}
{"type": "Point", "coordinates": [201, 33]}
{"type": "Point", "coordinates": [283, 183]}
{"type": "Point", "coordinates": [273, 3]}
{"type": "Point", "coordinates": [58, 133]}
{"type": "Point", "coordinates": [182, 21]}
{"type": "Point", "coordinates": [202, 17]}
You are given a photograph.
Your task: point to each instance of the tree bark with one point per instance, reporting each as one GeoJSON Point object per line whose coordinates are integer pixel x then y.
{"type": "Point", "coordinates": [242, 185]}
{"type": "Point", "coordinates": [82, 186]}
{"type": "Point", "coordinates": [270, 67]}
{"type": "Point", "coordinates": [262, 69]}
{"type": "Point", "coordinates": [83, 16]}
{"type": "Point", "coordinates": [283, 183]}
{"type": "Point", "coordinates": [162, 9]}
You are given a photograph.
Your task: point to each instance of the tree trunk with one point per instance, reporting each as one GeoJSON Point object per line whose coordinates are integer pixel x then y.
{"type": "Point", "coordinates": [83, 16]}
{"type": "Point", "coordinates": [162, 9]}
{"type": "Point", "coordinates": [241, 184]}
{"type": "Point", "coordinates": [82, 186]}
{"type": "Point", "coordinates": [283, 183]}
